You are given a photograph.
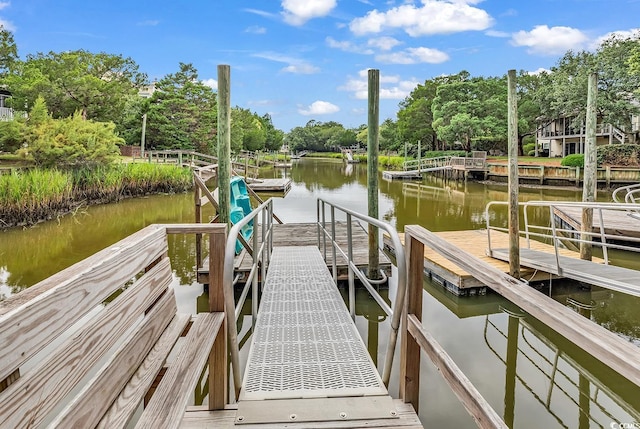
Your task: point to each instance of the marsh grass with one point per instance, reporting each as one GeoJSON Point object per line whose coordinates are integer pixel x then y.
{"type": "Point", "coordinates": [30, 196]}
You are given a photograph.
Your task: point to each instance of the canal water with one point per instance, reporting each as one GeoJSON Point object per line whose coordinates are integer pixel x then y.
{"type": "Point", "coordinates": [530, 375]}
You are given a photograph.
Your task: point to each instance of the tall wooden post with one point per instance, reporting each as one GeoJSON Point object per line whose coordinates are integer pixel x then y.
{"type": "Point", "coordinates": [372, 168]}
{"type": "Point", "coordinates": [419, 156]}
{"type": "Point", "coordinates": [590, 165]}
{"type": "Point", "coordinates": [224, 142]}
{"type": "Point", "coordinates": [514, 226]}
{"type": "Point", "coordinates": [143, 136]}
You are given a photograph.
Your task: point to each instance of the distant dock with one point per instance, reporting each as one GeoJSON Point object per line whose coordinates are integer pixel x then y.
{"type": "Point", "coordinates": [270, 185]}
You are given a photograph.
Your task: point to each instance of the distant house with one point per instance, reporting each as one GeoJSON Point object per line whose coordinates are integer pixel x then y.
{"type": "Point", "coordinates": [6, 113]}
{"type": "Point", "coordinates": [147, 90]}
{"type": "Point", "coordinates": [559, 137]}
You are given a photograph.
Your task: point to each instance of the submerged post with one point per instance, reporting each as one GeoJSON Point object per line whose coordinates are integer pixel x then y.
{"type": "Point", "coordinates": [590, 164]}
{"type": "Point", "coordinates": [224, 142]}
{"type": "Point", "coordinates": [372, 168]}
{"type": "Point", "coordinates": [514, 227]}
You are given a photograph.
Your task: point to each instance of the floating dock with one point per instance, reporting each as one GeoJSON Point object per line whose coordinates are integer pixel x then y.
{"type": "Point", "coordinates": [270, 185]}
{"type": "Point", "coordinates": [306, 234]}
{"type": "Point", "coordinates": [459, 281]}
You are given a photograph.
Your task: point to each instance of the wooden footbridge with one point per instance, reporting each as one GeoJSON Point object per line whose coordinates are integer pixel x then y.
{"type": "Point", "coordinates": [461, 165]}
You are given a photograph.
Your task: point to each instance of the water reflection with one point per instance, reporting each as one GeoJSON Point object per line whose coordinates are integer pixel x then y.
{"type": "Point", "coordinates": [532, 376]}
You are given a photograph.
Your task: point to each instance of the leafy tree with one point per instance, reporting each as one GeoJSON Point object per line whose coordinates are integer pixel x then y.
{"type": "Point", "coordinates": [129, 126]}
{"type": "Point", "coordinates": [249, 130]}
{"type": "Point", "coordinates": [69, 141]}
{"type": "Point", "coordinates": [97, 85]}
{"type": "Point", "coordinates": [274, 137]}
{"type": "Point", "coordinates": [467, 109]}
{"type": "Point", "coordinates": [565, 88]}
{"type": "Point", "coordinates": [182, 113]}
{"type": "Point", "coordinates": [415, 117]}
{"type": "Point", "coordinates": [8, 52]}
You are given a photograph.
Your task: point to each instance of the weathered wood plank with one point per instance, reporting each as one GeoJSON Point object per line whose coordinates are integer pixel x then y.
{"type": "Point", "coordinates": [197, 418]}
{"type": "Point", "coordinates": [483, 414]}
{"type": "Point", "coordinates": [195, 228]}
{"type": "Point", "coordinates": [169, 402]}
{"type": "Point", "coordinates": [617, 353]}
{"type": "Point", "coordinates": [94, 399]}
{"type": "Point", "coordinates": [77, 289]}
{"type": "Point", "coordinates": [27, 402]}
{"type": "Point", "coordinates": [126, 404]}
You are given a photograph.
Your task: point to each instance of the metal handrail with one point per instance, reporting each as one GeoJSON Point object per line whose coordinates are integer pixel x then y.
{"type": "Point", "coordinates": [260, 257]}
{"type": "Point", "coordinates": [394, 313]}
{"type": "Point", "coordinates": [553, 231]}
{"type": "Point", "coordinates": [418, 164]}
{"type": "Point", "coordinates": [624, 190]}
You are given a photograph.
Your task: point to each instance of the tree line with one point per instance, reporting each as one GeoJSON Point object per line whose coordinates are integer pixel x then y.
{"type": "Point", "coordinates": [458, 111]}
{"type": "Point", "coordinates": [100, 89]}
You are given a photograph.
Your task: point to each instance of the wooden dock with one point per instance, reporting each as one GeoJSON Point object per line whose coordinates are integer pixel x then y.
{"type": "Point", "coordinates": [306, 234]}
{"type": "Point", "coordinates": [270, 185]}
{"type": "Point", "coordinates": [459, 281]}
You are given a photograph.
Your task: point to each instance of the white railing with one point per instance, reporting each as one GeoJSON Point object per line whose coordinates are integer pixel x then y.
{"type": "Point", "coordinates": [424, 163]}
{"type": "Point", "coordinates": [329, 232]}
{"type": "Point", "coordinates": [260, 256]}
{"type": "Point", "coordinates": [559, 235]}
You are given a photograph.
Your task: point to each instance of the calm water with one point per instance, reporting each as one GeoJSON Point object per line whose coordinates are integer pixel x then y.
{"type": "Point", "coordinates": [530, 375]}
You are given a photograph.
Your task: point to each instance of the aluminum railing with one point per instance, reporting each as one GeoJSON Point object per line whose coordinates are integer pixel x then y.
{"type": "Point", "coordinates": [329, 232]}
{"type": "Point", "coordinates": [559, 235]}
{"type": "Point", "coordinates": [262, 245]}
{"type": "Point", "coordinates": [419, 164]}
{"type": "Point", "coordinates": [627, 194]}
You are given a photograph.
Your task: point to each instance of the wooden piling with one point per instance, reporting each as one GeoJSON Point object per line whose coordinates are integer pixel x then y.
{"type": "Point", "coordinates": [590, 166]}
{"type": "Point", "coordinates": [372, 169]}
{"type": "Point", "coordinates": [514, 227]}
{"type": "Point", "coordinates": [224, 142]}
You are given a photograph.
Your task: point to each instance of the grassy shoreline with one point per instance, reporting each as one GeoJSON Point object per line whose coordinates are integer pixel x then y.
{"type": "Point", "coordinates": [31, 196]}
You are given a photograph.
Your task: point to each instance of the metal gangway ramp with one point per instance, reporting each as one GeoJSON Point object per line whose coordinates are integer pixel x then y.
{"type": "Point", "coordinates": [307, 365]}
{"type": "Point", "coordinates": [564, 261]}
{"type": "Point", "coordinates": [307, 361]}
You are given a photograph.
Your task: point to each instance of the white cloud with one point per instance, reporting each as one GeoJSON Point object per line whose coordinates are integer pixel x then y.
{"type": "Point", "coordinates": [298, 12]}
{"type": "Point", "coordinates": [347, 46]}
{"type": "Point", "coordinates": [300, 68]}
{"type": "Point", "coordinates": [433, 17]}
{"type": "Point", "coordinates": [494, 33]}
{"type": "Point", "coordinates": [294, 65]}
{"type": "Point", "coordinates": [538, 71]}
{"type": "Point", "coordinates": [384, 43]}
{"type": "Point", "coordinates": [392, 87]}
{"type": "Point", "coordinates": [148, 23]}
{"type": "Point", "coordinates": [7, 25]}
{"type": "Point", "coordinates": [211, 83]}
{"type": "Point", "coordinates": [261, 13]}
{"type": "Point", "coordinates": [550, 40]}
{"type": "Point", "coordinates": [255, 29]}
{"type": "Point", "coordinates": [414, 56]}
{"type": "Point", "coordinates": [622, 34]}
{"type": "Point", "coordinates": [319, 108]}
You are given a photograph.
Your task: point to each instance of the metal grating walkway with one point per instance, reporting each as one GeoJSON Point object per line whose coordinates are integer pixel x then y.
{"type": "Point", "coordinates": [305, 344]}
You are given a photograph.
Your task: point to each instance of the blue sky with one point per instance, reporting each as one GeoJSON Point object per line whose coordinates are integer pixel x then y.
{"type": "Point", "coordinates": [300, 60]}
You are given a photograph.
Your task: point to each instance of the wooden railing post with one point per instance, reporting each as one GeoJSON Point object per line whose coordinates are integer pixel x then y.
{"type": "Point", "coordinates": [410, 350]}
{"type": "Point", "coordinates": [218, 357]}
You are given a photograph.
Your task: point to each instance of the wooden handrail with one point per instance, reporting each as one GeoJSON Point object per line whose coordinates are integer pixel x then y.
{"type": "Point", "coordinates": [415, 338]}
{"type": "Point", "coordinates": [617, 353]}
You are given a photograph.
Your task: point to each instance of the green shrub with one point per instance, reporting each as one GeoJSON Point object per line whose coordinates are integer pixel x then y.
{"type": "Point", "coordinates": [619, 154]}
{"type": "Point", "coordinates": [574, 160]}
{"type": "Point", "coordinates": [529, 148]}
